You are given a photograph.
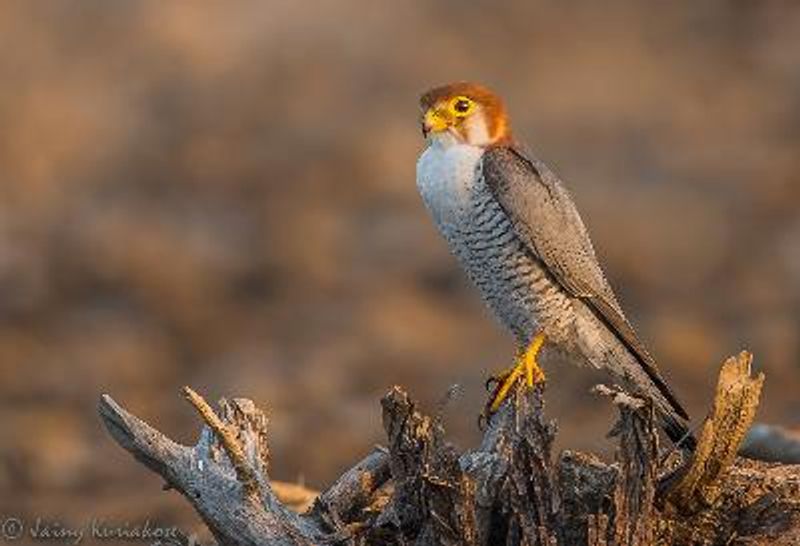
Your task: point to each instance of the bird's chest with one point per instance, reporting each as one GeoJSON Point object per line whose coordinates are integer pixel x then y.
{"type": "Point", "coordinates": [479, 232]}
{"type": "Point", "coordinates": [464, 209]}
{"type": "Point", "coordinates": [447, 178]}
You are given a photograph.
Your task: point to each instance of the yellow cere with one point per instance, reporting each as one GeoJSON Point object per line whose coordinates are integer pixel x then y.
{"type": "Point", "coordinates": [435, 120]}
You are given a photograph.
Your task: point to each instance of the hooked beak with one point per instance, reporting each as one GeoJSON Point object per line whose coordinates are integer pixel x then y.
{"type": "Point", "coordinates": [434, 121]}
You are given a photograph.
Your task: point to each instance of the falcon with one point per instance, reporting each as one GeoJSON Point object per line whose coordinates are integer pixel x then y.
{"type": "Point", "coordinates": [517, 234]}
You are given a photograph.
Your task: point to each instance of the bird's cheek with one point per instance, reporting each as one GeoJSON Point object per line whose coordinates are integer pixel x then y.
{"type": "Point", "coordinates": [462, 131]}
{"type": "Point", "coordinates": [474, 131]}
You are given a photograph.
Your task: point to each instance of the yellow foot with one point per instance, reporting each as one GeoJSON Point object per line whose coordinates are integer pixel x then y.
{"type": "Point", "coordinates": [525, 368]}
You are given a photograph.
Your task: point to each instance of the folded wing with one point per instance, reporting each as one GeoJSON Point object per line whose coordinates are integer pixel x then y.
{"type": "Point", "coordinates": [546, 220]}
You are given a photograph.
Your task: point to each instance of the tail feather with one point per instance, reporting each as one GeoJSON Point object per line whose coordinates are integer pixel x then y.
{"type": "Point", "coordinates": [678, 431]}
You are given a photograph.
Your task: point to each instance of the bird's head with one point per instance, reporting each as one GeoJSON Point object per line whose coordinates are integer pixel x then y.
{"type": "Point", "coordinates": [465, 113]}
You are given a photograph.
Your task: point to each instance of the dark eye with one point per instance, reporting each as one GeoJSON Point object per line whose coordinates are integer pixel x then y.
{"type": "Point", "coordinates": [462, 106]}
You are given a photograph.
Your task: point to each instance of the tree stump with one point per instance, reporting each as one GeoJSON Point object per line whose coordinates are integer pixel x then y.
{"type": "Point", "coordinates": [509, 491]}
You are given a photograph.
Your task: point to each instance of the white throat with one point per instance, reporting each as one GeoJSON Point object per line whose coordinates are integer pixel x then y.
{"type": "Point", "coordinates": [446, 175]}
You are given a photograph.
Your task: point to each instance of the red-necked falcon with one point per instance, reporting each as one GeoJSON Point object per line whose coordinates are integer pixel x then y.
{"type": "Point", "coordinates": [517, 234]}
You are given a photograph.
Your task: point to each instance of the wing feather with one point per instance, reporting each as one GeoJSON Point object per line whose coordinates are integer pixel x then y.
{"type": "Point", "coordinates": [546, 220]}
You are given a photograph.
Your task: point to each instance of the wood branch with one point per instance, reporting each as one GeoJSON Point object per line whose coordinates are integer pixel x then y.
{"type": "Point", "coordinates": [205, 475]}
{"type": "Point", "coordinates": [508, 491]}
{"type": "Point", "coordinates": [514, 465]}
{"type": "Point", "coordinates": [356, 493]}
{"type": "Point", "coordinates": [226, 434]}
{"type": "Point", "coordinates": [634, 491]}
{"type": "Point", "coordinates": [432, 499]}
{"type": "Point", "coordinates": [732, 414]}
{"type": "Point", "coordinates": [721, 496]}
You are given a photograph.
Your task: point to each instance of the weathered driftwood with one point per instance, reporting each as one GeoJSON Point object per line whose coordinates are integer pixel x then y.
{"type": "Point", "coordinates": [732, 413]}
{"type": "Point", "coordinates": [509, 491]}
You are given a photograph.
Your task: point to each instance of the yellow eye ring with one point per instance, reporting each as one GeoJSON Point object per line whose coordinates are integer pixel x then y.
{"type": "Point", "coordinates": [461, 106]}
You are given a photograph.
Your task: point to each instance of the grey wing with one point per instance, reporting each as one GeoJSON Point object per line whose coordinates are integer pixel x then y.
{"type": "Point", "coordinates": [546, 220]}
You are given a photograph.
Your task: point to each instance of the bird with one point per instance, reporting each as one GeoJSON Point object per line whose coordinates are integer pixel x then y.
{"type": "Point", "coordinates": [516, 232]}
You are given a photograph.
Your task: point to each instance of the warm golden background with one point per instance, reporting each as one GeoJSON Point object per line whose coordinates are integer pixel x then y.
{"type": "Point", "coordinates": [222, 195]}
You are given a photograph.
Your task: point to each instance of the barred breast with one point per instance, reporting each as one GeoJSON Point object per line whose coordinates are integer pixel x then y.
{"type": "Point", "coordinates": [511, 280]}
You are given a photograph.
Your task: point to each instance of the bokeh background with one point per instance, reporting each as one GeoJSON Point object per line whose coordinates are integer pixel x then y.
{"type": "Point", "coordinates": [222, 195]}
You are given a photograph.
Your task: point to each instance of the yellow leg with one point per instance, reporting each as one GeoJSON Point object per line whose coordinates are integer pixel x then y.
{"type": "Point", "coordinates": [525, 366]}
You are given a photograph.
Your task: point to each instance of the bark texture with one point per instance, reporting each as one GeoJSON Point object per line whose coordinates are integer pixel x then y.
{"type": "Point", "coordinates": [509, 491]}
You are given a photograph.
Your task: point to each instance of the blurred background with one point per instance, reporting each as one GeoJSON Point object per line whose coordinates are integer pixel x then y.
{"type": "Point", "coordinates": [223, 195]}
